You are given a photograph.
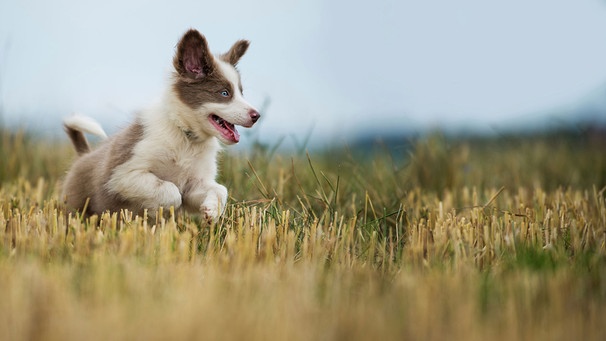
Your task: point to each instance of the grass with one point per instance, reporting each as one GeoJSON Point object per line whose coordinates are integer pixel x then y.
{"type": "Point", "coordinates": [452, 238]}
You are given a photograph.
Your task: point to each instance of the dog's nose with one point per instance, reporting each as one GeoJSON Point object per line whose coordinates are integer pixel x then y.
{"type": "Point", "coordinates": [254, 115]}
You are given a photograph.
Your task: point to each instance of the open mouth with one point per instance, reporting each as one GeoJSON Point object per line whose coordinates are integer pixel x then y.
{"type": "Point", "coordinates": [227, 130]}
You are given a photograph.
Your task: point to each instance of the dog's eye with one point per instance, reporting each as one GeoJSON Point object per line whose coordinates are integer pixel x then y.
{"type": "Point", "coordinates": [225, 93]}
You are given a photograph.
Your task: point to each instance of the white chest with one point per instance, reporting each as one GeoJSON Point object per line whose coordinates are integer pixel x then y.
{"type": "Point", "coordinates": [179, 163]}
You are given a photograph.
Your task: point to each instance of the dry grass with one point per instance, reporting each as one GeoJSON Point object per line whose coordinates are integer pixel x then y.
{"type": "Point", "coordinates": [445, 245]}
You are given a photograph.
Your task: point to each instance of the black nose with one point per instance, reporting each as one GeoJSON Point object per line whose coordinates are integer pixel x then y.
{"type": "Point", "coordinates": [254, 115]}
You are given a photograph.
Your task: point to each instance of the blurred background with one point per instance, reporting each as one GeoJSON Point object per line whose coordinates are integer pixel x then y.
{"type": "Point", "coordinates": [322, 72]}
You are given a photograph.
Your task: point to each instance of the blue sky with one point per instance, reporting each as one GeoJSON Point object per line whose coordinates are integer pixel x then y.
{"type": "Point", "coordinates": [335, 68]}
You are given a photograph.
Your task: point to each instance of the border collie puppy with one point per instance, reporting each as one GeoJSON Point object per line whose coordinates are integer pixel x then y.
{"type": "Point", "coordinates": [168, 155]}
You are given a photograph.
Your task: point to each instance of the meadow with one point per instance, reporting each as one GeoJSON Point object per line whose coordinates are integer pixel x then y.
{"type": "Point", "coordinates": [500, 238]}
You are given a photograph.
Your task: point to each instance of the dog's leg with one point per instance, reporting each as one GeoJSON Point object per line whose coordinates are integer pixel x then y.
{"type": "Point", "coordinates": [145, 188]}
{"type": "Point", "coordinates": [209, 198]}
{"type": "Point", "coordinates": [214, 204]}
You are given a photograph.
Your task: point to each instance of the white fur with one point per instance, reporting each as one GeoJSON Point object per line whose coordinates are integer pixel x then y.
{"type": "Point", "coordinates": [236, 111]}
{"type": "Point", "coordinates": [86, 124]}
{"type": "Point", "coordinates": [165, 149]}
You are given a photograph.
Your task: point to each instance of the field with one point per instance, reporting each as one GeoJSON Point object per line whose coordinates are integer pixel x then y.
{"type": "Point", "coordinates": [460, 239]}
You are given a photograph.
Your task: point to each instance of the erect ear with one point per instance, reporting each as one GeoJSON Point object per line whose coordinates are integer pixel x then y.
{"type": "Point", "coordinates": [193, 58]}
{"type": "Point", "coordinates": [236, 52]}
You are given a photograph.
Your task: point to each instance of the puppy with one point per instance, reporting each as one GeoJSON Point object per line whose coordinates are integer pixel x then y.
{"type": "Point", "coordinates": [168, 155]}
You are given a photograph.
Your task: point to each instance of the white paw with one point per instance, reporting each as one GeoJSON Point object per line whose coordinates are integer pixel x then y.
{"type": "Point", "coordinates": [214, 204]}
{"type": "Point", "coordinates": [168, 195]}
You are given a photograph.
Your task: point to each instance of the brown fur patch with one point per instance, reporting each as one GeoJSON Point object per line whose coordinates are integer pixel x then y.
{"type": "Point", "coordinates": [206, 90]}
{"type": "Point", "coordinates": [78, 139]}
{"type": "Point", "coordinates": [122, 148]}
{"type": "Point", "coordinates": [197, 80]}
{"type": "Point", "coordinates": [89, 174]}
{"type": "Point", "coordinates": [236, 52]}
{"type": "Point", "coordinates": [193, 58]}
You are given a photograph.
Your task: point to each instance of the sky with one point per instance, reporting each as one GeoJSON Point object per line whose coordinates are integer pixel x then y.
{"type": "Point", "coordinates": [327, 69]}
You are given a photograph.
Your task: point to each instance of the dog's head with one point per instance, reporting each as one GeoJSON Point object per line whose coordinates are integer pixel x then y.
{"type": "Point", "coordinates": [210, 87]}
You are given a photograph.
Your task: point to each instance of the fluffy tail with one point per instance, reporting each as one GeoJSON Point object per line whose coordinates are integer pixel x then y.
{"type": "Point", "coordinates": [75, 127]}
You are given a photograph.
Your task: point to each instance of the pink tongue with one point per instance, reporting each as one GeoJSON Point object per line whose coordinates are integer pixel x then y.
{"type": "Point", "coordinates": [231, 133]}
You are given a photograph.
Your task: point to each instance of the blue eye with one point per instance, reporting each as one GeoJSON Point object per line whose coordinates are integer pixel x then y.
{"type": "Point", "coordinates": [225, 93]}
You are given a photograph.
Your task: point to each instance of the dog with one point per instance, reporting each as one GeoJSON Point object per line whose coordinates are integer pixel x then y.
{"type": "Point", "coordinates": [168, 155]}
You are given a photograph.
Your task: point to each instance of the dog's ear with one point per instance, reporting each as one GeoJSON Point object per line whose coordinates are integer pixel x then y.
{"type": "Point", "coordinates": [236, 52]}
{"type": "Point", "coordinates": [193, 58]}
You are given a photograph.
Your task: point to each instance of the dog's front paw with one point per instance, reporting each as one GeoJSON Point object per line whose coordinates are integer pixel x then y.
{"type": "Point", "coordinates": [169, 195]}
{"type": "Point", "coordinates": [214, 203]}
